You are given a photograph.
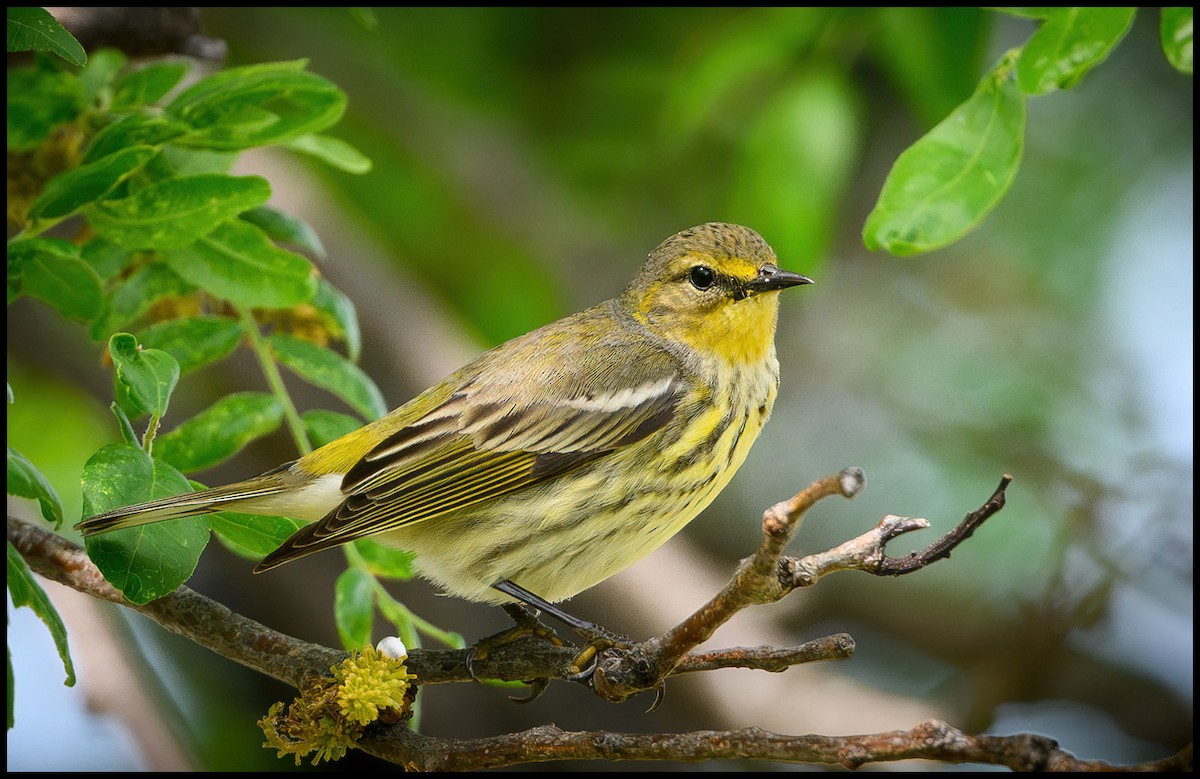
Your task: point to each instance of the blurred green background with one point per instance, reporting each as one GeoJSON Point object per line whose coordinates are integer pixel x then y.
{"type": "Point", "coordinates": [526, 160]}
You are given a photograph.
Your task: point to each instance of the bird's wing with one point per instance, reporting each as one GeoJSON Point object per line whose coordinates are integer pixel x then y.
{"type": "Point", "coordinates": [501, 431]}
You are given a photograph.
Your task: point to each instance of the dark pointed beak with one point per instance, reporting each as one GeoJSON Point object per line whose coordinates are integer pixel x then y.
{"type": "Point", "coordinates": [771, 278]}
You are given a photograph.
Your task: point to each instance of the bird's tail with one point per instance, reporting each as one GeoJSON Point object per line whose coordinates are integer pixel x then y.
{"type": "Point", "coordinates": [240, 496]}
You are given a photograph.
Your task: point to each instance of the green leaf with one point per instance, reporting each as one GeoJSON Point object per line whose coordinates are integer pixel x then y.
{"type": "Point", "coordinates": [353, 608]}
{"type": "Point", "coordinates": [70, 191]}
{"type": "Point", "coordinates": [332, 151]}
{"type": "Point", "coordinates": [101, 69]}
{"type": "Point", "coordinates": [51, 270]}
{"type": "Point", "coordinates": [220, 431]}
{"type": "Point", "coordinates": [26, 481]}
{"type": "Point", "coordinates": [147, 85]}
{"type": "Point", "coordinates": [148, 561]}
{"type": "Point", "coordinates": [25, 591]}
{"type": "Point", "coordinates": [382, 560]}
{"type": "Point", "coordinates": [257, 105]}
{"type": "Point", "coordinates": [34, 29]}
{"type": "Point", "coordinates": [330, 371]}
{"type": "Point", "coordinates": [133, 130]}
{"type": "Point", "coordinates": [239, 263]}
{"type": "Point", "coordinates": [341, 316]}
{"type": "Point", "coordinates": [1028, 12]}
{"type": "Point", "coordinates": [192, 162]}
{"type": "Point", "coordinates": [148, 375]}
{"type": "Point", "coordinates": [107, 259]}
{"type": "Point", "coordinates": [135, 295]}
{"type": "Point", "coordinates": [176, 212]}
{"type": "Point", "coordinates": [945, 183]}
{"type": "Point", "coordinates": [38, 101]}
{"type": "Point", "coordinates": [1176, 33]}
{"type": "Point", "coordinates": [250, 535]}
{"type": "Point", "coordinates": [365, 17]}
{"type": "Point", "coordinates": [285, 228]}
{"type": "Point", "coordinates": [1069, 43]}
{"type": "Point", "coordinates": [324, 426]}
{"type": "Point", "coordinates": [194, 341]}
{"type": "Point", "coordinates": [123, 424]}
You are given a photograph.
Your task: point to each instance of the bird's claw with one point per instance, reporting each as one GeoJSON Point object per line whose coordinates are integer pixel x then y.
{"type": "Point", "coordinates": [527, 624]}
{"type": "Point", "coordinates": [536, 688]}
{"type": "Point", "coordinates": [583, 673]}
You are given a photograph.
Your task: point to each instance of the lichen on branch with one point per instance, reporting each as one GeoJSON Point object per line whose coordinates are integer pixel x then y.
{"type": "Point", "coordinates": [331, 713]}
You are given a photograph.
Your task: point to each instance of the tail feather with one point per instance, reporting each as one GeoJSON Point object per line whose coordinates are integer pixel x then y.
{"type": "Point", "coordinates": [179, 506]}
{"type": "Point", "coordinates": [299, 544]}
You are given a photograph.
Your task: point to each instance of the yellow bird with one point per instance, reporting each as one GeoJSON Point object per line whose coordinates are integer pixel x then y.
{"type": "Point", "coordinates": [558, 458]}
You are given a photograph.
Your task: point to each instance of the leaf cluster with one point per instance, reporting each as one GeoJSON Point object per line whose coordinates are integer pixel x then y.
{"type": "Point", "coordinates": [946, 183]}
{"type": "Point", "coordinates": [130, 224]}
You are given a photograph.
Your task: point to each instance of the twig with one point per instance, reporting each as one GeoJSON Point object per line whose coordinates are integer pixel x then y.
{"type": "Point", "coordinates": [866, 553]}
{"type": "Point", "coordinates": [768, 576]}
{"type": "Point", "coordinates": [271, 372]}
{"type": "Point", "coordinates": [913, 561]}
{"type": "Point", "coordinates": [769, 658]}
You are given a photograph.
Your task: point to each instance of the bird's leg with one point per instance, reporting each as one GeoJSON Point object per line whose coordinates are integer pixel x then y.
{"type": "Point", "coordinates": [589, 630]}
{"type": "Point", "coordinates": [525, 623]}
{"type": "Point", "coordinates": [597, 636]}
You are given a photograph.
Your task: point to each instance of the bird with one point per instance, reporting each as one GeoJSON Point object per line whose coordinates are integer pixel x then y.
{"type": "Point", "coordinates": [555, 459]}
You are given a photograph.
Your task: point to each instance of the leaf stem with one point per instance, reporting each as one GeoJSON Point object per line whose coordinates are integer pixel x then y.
{"type": "Point", "coordinates": [275, 381]}
{"type": "Point", "coordinates": [406, 621]}
{"type": "Point", "coordinates": [151, 431]}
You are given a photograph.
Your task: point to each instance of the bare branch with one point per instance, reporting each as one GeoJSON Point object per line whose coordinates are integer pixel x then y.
{"type": "Point", "coordinates": [768, 576]}
{"type": "Point", "coordinates": [769, 658]}
{"type": "Point", "coordinates": [184, 611]}
{"type": "Point", "coordinates": [625, 671]}
{"type": "Point", "coordinates": [942, 547]}
{"type": "Point", "coordinates": [931, 740]}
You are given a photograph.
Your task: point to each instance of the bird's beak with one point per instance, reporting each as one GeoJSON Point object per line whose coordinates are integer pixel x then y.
{"type": "Point", "coordinates": [771, 278]}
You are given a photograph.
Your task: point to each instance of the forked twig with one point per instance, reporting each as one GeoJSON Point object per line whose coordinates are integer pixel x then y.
{"type": "Point", "coordinates": [768, 576]}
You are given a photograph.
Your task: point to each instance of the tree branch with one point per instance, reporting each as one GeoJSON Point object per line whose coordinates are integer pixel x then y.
{"type": "Point", "coordinates": [932, 740]}
{"type": "Point", "coordinates": [291, 660]}
{"type": "Point", "coordinates": [184, 611]}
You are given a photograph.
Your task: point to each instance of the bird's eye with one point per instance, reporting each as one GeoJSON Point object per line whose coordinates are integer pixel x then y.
{"type": "Point", "coordinates": [702, 277]}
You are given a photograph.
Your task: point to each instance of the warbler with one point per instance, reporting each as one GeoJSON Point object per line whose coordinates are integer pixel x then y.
{"type": "Point", "coordinates": [557, 458]}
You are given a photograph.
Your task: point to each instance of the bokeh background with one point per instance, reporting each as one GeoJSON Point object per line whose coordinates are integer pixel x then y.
{"type": "Point", "coordinates": [525, 161]}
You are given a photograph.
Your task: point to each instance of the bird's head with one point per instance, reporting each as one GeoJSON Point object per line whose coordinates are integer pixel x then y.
{"type": "Point", "coordinates": [714, 288]}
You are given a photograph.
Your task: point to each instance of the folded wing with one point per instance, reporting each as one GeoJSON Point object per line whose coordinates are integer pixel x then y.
{"type": "Point", "coordinates": [485, 442]}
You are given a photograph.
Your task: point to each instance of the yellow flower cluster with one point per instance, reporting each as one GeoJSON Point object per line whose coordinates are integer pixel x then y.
{"type": "Point", "coordinates": [330, 715]}
{"type": "Point", "coordinates": [369, 683]}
